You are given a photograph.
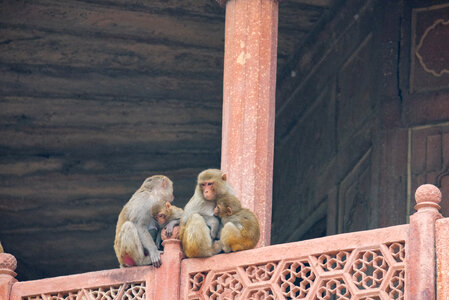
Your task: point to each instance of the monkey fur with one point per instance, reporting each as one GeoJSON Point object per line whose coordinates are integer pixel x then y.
{"type": "Point", "coordinates": [167, 216]}
{"type": "Point", "coordinates": [199, 226]}
{"type": "Point", "coordinates": [133, 243]}
{"type": "Point", "coordinates": [241, 229]}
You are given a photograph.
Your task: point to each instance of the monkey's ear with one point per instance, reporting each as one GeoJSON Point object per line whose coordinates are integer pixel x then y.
{"type": "Point", "coordinates": [164, 183]}
{"type": "Point", "coordinates": [229, 211]}
{"type": "Point", "coordinates": [167, 204]}
{"type": "Point", "coordinates": [224, 177]}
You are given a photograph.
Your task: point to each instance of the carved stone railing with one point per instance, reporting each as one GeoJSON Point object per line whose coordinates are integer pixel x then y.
{"type": "Point", "coordinates": [127, 283]}
{"type": "Point", "coordinates": [389, 263]}
{"type": "Point", "coordinates": [366, 265]}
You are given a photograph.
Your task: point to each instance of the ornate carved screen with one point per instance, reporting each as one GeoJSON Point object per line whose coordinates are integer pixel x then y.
{"type": "Point", "coordinates": [362, 265]}
{"type": "Point", "coordinates": [125, 284]}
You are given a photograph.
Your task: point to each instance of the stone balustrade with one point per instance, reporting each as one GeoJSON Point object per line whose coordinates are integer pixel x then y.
{"type": "Point", "coordinates": [388, 263]}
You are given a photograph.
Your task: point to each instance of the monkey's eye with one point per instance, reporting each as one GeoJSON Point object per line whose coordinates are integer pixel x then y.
{"type": "Point", "coordinates": [209, 183]}
{"type": "Point", "coordinates": [161, 216]}
{"type": "Point", "coordinates": [202, 184]}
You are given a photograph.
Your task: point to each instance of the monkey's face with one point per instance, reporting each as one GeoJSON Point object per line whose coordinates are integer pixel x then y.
{"type": "Point", "coordinates": [221, 211]}
{"type": "Point", "coordinates": [208, 190]}
{"type": "Point", "coordinates": [161, 218]}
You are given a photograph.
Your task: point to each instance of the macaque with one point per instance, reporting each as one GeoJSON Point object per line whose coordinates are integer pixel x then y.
{"type": "Point", "coordinates": [199, 226]}
{"type": "Point", "coordinates": [167, 216]}
{"type": "Point", "coordinates": [134, 245]}
{"type": "Point", "coordinates": [240, 225]}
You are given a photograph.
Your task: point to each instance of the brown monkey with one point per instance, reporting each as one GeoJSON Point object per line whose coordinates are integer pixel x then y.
{"type": "Point", "coordinates": [167, 216]}
{"type": "Point", "coordinates": [240, 225]}
{"type": "Point", "coordinates": [133, 243]}
{"type": "Point", "coordinates": [199, 226]}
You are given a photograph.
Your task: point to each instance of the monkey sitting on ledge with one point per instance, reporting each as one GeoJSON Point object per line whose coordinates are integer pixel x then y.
{"type": "Point", "coordinates": [133, 243]}
{"type": "Point", "coordinates": [199, 226]}
{"type": "Point", "coordinates": [241, 229]}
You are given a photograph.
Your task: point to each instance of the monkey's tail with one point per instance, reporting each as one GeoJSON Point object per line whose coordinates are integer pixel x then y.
{"type": "Point", "coordinates": [195, 237]}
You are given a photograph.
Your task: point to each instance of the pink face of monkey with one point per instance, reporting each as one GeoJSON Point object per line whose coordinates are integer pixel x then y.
{"type": "Point", "coordinates": [208, 189]}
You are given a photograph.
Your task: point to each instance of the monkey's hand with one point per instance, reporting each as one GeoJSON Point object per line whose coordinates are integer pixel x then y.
{"type": "Point", "coordinates": [155, 257]}
{"type": "Point", "coordinates": [169, 229]}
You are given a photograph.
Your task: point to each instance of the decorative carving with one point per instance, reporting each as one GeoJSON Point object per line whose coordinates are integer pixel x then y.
{"type": "Point", "coordinates": [335, 286]}
{"type": "Point", "coordinates": [196, 281]}
{"type": "Point", "coordinates": [258, 273]}
{"type": "Point", "coordinates": [296, 279]}
{"type": "Point", "coordinates": [366, 273]}
{"type": "Point", "coordinates": [427, 196]}
{"type": "Point", "coordinates": [266, 294]}
{"type": "Point", "coordinates": [429, 69]}
{"type": "Point", "coordinates": [369, 269]}
{"type": "Point", "coordinates": [134, 291]}
{"type": "Point", "coordinates": [434, 43]}
{"type": "Point", "coordinates": [397, 251]}
{"type": "Point", "coordinates": [8, 263]}
{"type": "Point", "coordinates": [395, 289]}
{"type": "Point", "coordinates": [332, 262]}
{"type": "Point", "coordinates": [225, 285]}
{"type": "Point", "coordinates": [127, 291]}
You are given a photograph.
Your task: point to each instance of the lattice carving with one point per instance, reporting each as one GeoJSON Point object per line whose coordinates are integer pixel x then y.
{"type": "Point", "coordinates": [263, 272]}
{"type": "Point", "coordinates": [64, 296]}
{"type": "Point", "coordinates": [369, 269]}
{"type": "Point", "coordinates": [334, 287]}
{"type": "Point", "coordinates": [265, 294]}
{"type": "Point", "coordinates": [134, 291]}
{"type": "Point", "coordinates": [376, 272]}
{"type": "Point", "coordinates": [104, 293]}
{"type": "Point", "coordinates": [395, 287]}
{"type": "Point", "coordinates": [397, 250]}
{"type": "Point", "coordinates": [296, 279]}
{"type": "Point", "coordinates": [196, 281]}
{"type": "Point", "coordinates": [227, 285]}
{"type": "Point", "coordinates": [333, 261]}
{"type": "Point", "coordinates": [38, 297]}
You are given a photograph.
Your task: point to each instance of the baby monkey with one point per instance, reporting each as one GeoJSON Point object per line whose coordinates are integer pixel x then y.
{"type": "Point", "coordinates": [167, 216]}
{"type": "Point", "coordinates": [240, 225]}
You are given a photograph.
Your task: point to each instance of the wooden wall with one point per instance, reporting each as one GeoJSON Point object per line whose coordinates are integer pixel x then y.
{"type": "Point", "coordinates": [356, 132]}
{"type": "Point", "coordinates": [95, 97]}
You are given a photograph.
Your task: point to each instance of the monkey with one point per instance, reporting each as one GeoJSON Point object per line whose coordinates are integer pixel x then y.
{"type": "Point", "coordinates": [241, 229]}
{"type": "Point", "coordinates": [199, 227]}
{"type": "Point", "coordinates": [133, 243]}
{"type": "Point", "coordinates": [167, 216]}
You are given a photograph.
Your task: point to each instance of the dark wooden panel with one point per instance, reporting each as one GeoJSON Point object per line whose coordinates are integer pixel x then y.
{"type": "Point", "coordinates": [30, 46]}
{"type": "Point", "coordinates": [105, 22]}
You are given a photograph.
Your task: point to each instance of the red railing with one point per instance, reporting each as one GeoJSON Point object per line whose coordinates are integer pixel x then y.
{"type": "Point", "coordinates": [389, 263]}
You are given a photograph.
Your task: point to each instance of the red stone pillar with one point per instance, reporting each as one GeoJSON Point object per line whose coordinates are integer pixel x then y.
{"type": "Point", "coordinates": [442, 244]}
{"type": "Point", "coordinates": [249, 85]}
{"type": "Point", "coordinates": [168, 282]}
{"type": "Point", "coordinates": [420, 266]}
{"type": "Point", "coordinates": [8, 264]}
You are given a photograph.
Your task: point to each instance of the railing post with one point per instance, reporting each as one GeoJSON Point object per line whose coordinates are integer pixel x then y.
{"type": "Point", "coordinates": [168, 281]}
{"type": "Point", "coordinates": [8, 264]}
{"type": "Point", "coordinates": [442, 243]}
{"type": "Point", "coordinates": [420, 258]}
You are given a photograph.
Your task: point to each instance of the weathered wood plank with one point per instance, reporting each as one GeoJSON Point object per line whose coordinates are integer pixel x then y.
{"type": "Point", "coordinates": [299, 16]}
{"type": "Point", "coordinates": [44, 80]}
{"type": "Point", "coordinates": [30, 46]}
{"type": "Point", "coordinates": [93, 20]}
